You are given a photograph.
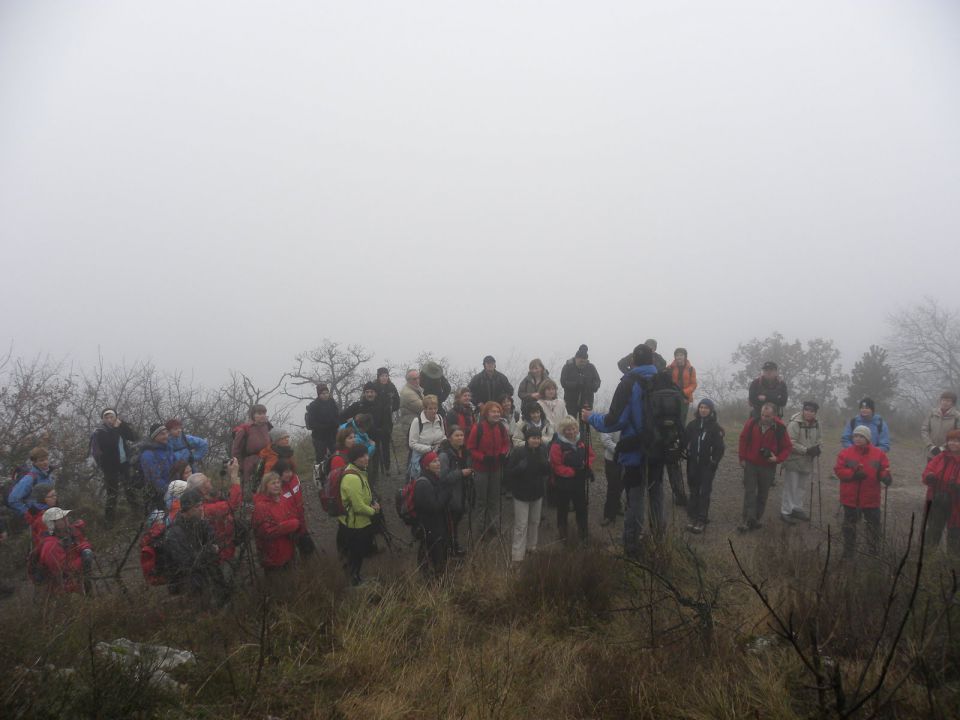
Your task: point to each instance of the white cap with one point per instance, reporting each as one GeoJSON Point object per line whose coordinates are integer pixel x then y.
{"type": "Point", "coordinates": [51, 515]}
{"type": "Point", "coordinates": [176, 488]}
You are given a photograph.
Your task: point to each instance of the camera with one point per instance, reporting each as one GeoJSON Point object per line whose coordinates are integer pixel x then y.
{"type": "Point", "coordinates": [766, 452]}
{"type": "Point", "coordinates": [223, 467]}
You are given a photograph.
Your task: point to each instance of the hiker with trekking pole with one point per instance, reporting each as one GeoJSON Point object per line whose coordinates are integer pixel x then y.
{"type": "Point", "coordinates": [804, 432]}
{"type": "Point", "coordinates": [488, 443]}
{"type": "Point", "coordinates": [571, 462]}
{"type": "Point", "coordinates": [942, 478]}
{"type": "Point", "coordinates": [861, 469]}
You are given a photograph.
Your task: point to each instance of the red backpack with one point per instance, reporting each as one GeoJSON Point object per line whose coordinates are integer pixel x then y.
{"type": "Point", "coordinates": [404, 502]}
{"type": "Point", "coordinates": [330, 497]}
{"type": "Point", "coordinates": [151, 554]}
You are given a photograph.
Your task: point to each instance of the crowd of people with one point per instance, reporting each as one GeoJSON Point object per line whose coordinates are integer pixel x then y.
{"type": "Point", "coordinates": [465, 453]}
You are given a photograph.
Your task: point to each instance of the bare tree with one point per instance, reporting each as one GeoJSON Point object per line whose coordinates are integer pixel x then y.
{"type": "Point", "coordinates": [341, 368]}
{"type": "Point", "coordinates": [925, 351]}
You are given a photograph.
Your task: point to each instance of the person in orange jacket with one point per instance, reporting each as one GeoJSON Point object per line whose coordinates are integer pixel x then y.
{"type": "Point", "coordinates": [861, 468]}
{"type": "Point", "coordinates": [942, 478]}
{"type": "Point", "coordinates": [278, 449]}
{"type": "Point", "coordinates": [684, 376]}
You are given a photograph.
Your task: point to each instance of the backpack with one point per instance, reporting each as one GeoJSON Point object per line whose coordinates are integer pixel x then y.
{"type": "Point", "coordinates": [330, 497]}
{"type": "Point", "coordinates": [137, 478]}
{"type": "Point", "coordinates": [662, 434]}
{"type": "Point", "coordinates": [404, 502]}
{"type": "Point", "coordinates": [151, 554]}
{"type": "Point", "coordinates": [7, 484]}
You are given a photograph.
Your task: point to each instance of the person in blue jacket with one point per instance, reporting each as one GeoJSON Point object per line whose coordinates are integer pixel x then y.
{"type": "Point", "coordinates": [362, 426]}
{"type": "Point", "coordinates": [868, 416]}
{"type": "Point", "coordinates": [39, 472]}
{"type": "Point", "coordinates": [156, 462]}
{"type": "Point", "coordinates": [188, 448]}
{"type": "Point", "coordinates": [642, 476]}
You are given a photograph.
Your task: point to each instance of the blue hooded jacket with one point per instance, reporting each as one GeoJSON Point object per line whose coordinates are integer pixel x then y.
{"type": "Point", "coordinates": [157, 462]}
{"type": "Point", "coordinates": [19, 497]}
{"type": "Point", "coordinates": [198, 446]}
{"type": "Point", "coordinates": [629, 421]}
{"type": "Point", "coordinates": [879, 431]}
{"type": "Point", "coordinates": [360, 436]}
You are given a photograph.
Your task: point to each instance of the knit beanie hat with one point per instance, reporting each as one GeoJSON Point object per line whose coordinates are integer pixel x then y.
{"type": "Point", "coordinates": [369, 386]}
{"type": "Point", "coordinates": [811, 405]}
{"type": "Point", "coordinates": [530, 431]}
{"type": "Point", "coordinates": [582, 352]}
{"type": "Point", "coordinates": [278, 434]}
{"type": "Point", "coordinates": [709, 403]}
{"type": "Point", "coordinates": [650, 343]}
{"type": "Point", "coordinates": [432, 370]}
{"type": "Point", "coordinates": [642, 355]}
{"type": "Point", "coordinates": [107, 411]}
{"type": "Point", "coordinates": [427, 459]}
{"type": "Point", "coordinates": [867, 403]}
{"type": "Point", "coordinates": [864, 431]}
{"type": "Point", "coordinates": [176, 488]}
{"type": "Point", "coordinates": [770, 365]}
{"type": "Point", "coordinates": [156, 429]}
{"type": "Point", "coordinates": [40, 492]}
{"type": "Point", "coordinates": [356, 452]}
{"type": "Point", "coordinates": [489, 359]}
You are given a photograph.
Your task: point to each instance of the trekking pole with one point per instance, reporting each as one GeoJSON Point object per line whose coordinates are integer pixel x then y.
{"type": "Point", "coordinates": [883, 530]}
{"type": "Point", "coordinates": [819, 493]}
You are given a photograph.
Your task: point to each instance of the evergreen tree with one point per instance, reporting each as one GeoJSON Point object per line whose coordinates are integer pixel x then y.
{"type": "Point", "coordinates": [873, 377]}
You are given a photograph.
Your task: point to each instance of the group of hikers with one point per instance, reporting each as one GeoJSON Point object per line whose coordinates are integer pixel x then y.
{"type": "Point", "coordinates": [462, 458]}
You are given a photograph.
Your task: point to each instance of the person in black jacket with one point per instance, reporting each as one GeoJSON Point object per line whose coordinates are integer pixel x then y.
{"type": "Point", "coordinates": [580, 381]}
{"type": "Point", "coordinates": [431, 501]}
{"type": "Point", "coordinates": [322, 420]}
{"type": "Point", "coordinates": [191, 555]}
{"type": "Point", "coordinates": [434, 382]}
{"type": "Point", "coordinates": [110, 451]}
{"type": "Point", "coordinates": [457, 475]}
{"type": "Point", "coordinates": [528, 470]}
{"type": "Point", "coordinates": [768, 388]}
{"type": "Point", "coordinates": [388, 402]}
{"type": "Point", "coordinates": [489, 384]}
{"type": "Point", "coordinates": [705, 448]}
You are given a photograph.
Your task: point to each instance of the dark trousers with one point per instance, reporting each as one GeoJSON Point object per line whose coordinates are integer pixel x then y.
{"type": "Point", "coordinates": [757, 480]}
{"type": "Point", "coordinates": [354, 543]}
{"type": "Point", "coordinates": [112, 480]}
{"type": "Point", "coordinates": [324, 443]}
{"type": "Point", "coordinates": [384, 448]}
{"type": "Point", "coordinates": [611, 507]}
{"type": "Point", "coordinates": [675, 476]}
{"type": "Point", "coordinates": [940, 510]}
{"type": "Point", "coordinates": [571, 490]}
{"type": "Point", "coordinates": [700, 478]}
{"type": "Point", "coordinates": [432, 551]}
{"type": "Point", "coordinates": [851, 517]}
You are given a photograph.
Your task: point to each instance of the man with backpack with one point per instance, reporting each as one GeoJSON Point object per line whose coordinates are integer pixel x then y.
{"type": "Point", "coordinates": [646, 411]}
{"type": "Point", "coordinates": [941, 420]}
{"type": "Point", "coordinates": [580, 382]}
{"type": "Point", "coordinates": [764, 444]}
{"type": "Point", "coordinates": [187, 448]}
{"type": "Point", "coordinates": [768, 388]}
{"type": "Point", "coordinates": [156, 463]}
{"type": "Point", "coordinates": [191, 557]}
{"type": "Point", "coordinates": [322, 419]}
{"type": "Point", "coordinates": [869, 418]}
{"type": "Point", "coordinates": [111, 453]}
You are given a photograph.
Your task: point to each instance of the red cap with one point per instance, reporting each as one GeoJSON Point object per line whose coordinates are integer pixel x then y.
{"type": "Point", "coordinates": [427, 459]}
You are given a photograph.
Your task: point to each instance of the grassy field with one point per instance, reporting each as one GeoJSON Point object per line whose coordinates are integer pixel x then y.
{"type": "Point", "coordinates": [572, 633]}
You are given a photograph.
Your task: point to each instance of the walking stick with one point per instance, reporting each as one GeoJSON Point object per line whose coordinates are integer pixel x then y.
{"type": "Point", "coordinates": [819, 494]}
{"type": "Point", "coordinates": [883, 530]}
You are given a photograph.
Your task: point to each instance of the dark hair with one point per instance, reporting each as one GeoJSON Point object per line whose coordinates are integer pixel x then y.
{"type": "Point", "coordinates": [177, 470]}
{"type": "Point", "coordinates": [356, 452]}
{"type": "Point", "coordinates": [281, 467]}
{"type": "Point", "coordinates": [949, 395]}
{"type": "Point", "coordinates": [254, 409]}
{"type": "Point", "coordinates": [453, 428]}
{"type": "Point", "coordinates": [363, 420]}
{"type": "Point", "coordinates": [505, 398]}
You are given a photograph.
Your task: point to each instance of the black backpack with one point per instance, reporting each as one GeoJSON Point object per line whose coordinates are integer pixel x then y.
{"type": "Point", "coordinates": [662, 435]}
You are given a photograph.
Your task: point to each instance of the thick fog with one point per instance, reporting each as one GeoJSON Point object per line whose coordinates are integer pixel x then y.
{"type": "Point", "coordinates": [223, 184]}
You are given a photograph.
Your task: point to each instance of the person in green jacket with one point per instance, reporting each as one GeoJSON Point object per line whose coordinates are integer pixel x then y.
{"type": "Point", "coordinates": [356, 529]}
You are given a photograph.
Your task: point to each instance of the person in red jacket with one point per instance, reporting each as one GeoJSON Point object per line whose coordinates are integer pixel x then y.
{"type": "Point", "coordinates": [942, 478]}
{"type": "Point", "coordinates": [571, 463]}
{"type": "Point", "coordinates": [65, 555]}
{"type": "Point", "coordinates": [764, 444]}
{"type": "Point", "coordinates": [488, 443]}
{"type": "Point", "coordinates": [861, 468]}
{"type": "Point", "coordinates": [293, 495]}
{"type": "Point", "coordinates": [218, 512]}
{"type": "Point", "coordinates": [275, 525]}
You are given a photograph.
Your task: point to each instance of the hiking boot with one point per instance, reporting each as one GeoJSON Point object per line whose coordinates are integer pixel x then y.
{"type": "Point", "coordinates": [743, 529]}
{"type": "Point", "coordinates": [691, 526]}
{"type": "Point", "coordinates": [787, 519]}
{"type": "Point", "coordinates": [457, 550]}
{"type": "Point", "coordinates": [697, 529]}
{"type": "Point", "coordinates": [800, 515]}
{"type": "Point", "coordinates": [754, 525]}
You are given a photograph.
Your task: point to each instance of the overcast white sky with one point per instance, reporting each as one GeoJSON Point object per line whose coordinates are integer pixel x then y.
{"type": "Point", "coordinates": [223, 184]}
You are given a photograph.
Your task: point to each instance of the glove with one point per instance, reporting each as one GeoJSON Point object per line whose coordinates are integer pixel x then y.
{"type": "Point", "coordinates": [935, 450]}
{"type": "Point", "coordinates": [886, 479]}
{"type": "Point", "coordinates": [859, 475]}
{"type": "Point", "coordinates": [930, 479]}
{"type": "Point", "coordinates": [766, 452]}
{"type": "Point", "coordinates": [814, 451]}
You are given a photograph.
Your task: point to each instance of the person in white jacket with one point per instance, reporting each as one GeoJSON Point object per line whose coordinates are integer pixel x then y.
{"type": "Point", "coordinates": [554, 409]}
{"type": "Point", "coordinates": [427, 432]}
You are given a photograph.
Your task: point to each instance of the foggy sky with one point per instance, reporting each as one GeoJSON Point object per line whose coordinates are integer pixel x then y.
{"type": "Point", "coordinates": [222, 184]}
